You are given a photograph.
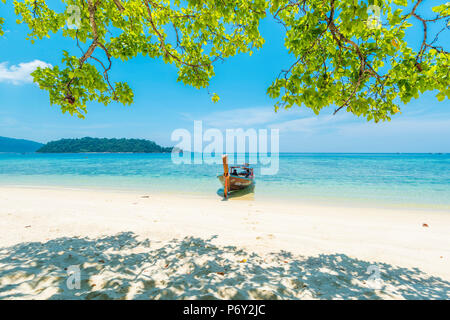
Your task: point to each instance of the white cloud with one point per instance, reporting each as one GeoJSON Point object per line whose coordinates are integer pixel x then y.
{"type": "Point", "coordinates": [293, 120]}
{"type": "Point", "coordinates": [8, 122]}
{"type": "Point", "coordinates": [420, 130]}
{"type": "Point", "coordinates": [244, 117]}
{"type": "Point", "coordinates": [19, 74]}
{"type": "Point", "coordinates": [311, 124]}
{"type": "Point", "coordinates": [398, 126]}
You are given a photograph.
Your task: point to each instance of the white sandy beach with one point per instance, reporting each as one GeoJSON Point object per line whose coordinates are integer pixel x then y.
{"type": "Point", "coordinates": [161, 246]}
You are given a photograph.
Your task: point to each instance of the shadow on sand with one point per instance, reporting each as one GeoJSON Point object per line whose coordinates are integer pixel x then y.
{"type": "Point", "coordinates": [122, 267]}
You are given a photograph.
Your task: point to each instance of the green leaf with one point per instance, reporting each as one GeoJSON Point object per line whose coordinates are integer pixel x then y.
{"type": "Point", "coordinates": [354, 59]}
{"type": "Point", "coordinates": [440, 96]}
{"type": "Point", "coordinates": [215, 98]}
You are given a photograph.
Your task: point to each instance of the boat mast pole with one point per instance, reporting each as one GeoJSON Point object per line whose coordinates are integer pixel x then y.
{"type": "Point", "coordinates": [226, 176]}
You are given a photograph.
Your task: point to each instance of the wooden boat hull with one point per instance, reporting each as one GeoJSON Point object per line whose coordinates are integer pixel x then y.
{"type": "Point", "coordinates": [236, 183]}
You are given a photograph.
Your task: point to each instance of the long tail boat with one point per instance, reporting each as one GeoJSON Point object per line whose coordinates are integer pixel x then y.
{"type": "Point", "coordinates": [235, 177]}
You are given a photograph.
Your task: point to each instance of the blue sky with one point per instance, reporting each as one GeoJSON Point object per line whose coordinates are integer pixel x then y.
{"type": "Point", "coordinates": [163, 105]}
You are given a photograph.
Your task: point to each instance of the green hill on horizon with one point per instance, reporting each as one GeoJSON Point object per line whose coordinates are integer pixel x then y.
{"type": "Point", "coordinates": [18, 145]}
{"type": "Point", "coordinates": [89, 144]}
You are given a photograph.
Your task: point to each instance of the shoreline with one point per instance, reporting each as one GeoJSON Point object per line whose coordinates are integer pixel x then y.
{"type": "Point", "coordinates": [342, 239]}
{"type": "Point", "coordinates": [362, 203]}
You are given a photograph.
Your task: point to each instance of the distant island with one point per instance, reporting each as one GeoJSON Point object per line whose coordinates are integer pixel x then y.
{"type": "Point", "coordinates": [99, 145]}
{"type": "Point", "coordinates": [18, 145]}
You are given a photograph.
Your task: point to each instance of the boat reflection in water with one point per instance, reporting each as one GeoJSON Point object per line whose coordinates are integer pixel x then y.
{"type": "Point", "coordinates": [247, 193]}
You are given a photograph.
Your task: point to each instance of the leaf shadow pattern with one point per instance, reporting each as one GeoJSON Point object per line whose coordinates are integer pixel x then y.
{"type": "Point", "coordinates": [123, 267]}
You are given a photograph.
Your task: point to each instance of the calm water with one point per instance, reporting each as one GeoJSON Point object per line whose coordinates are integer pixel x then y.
{"type": "Point", "coordinates": [417, 180]}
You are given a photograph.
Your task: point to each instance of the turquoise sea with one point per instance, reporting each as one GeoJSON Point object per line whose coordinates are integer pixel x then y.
{"type": "Point", "coordinates": [405, 180]}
